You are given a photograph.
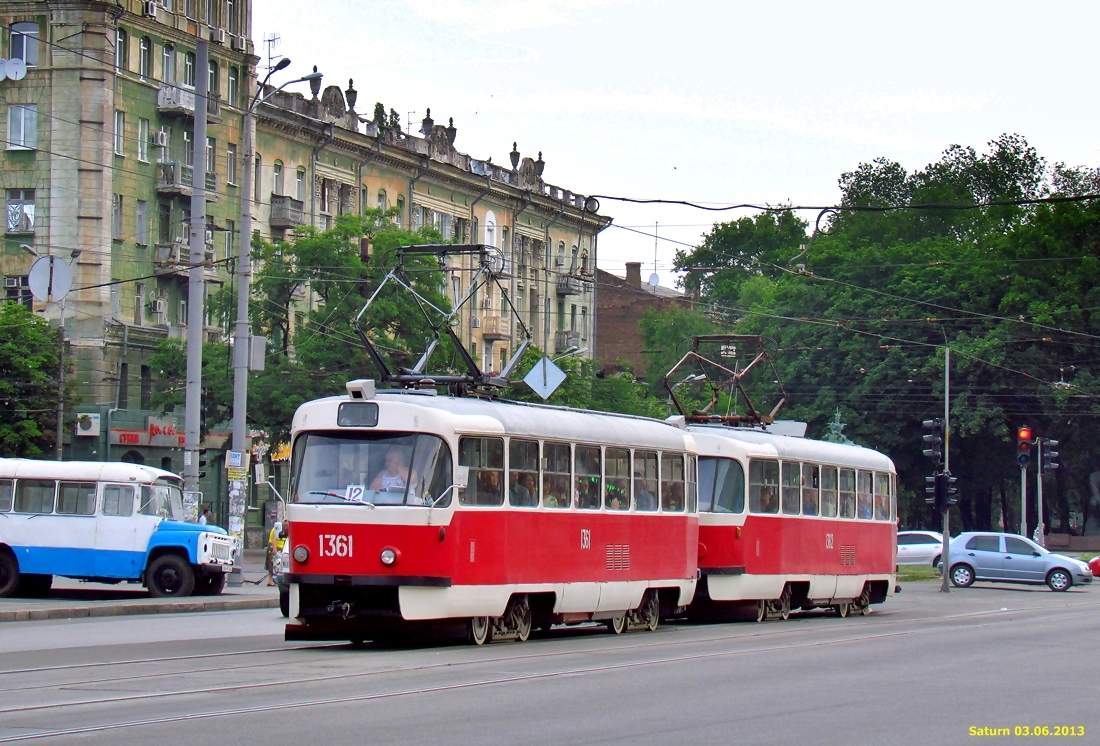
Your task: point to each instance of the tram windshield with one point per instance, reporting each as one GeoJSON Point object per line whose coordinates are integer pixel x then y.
{"type": "Point", "coordinates": [161, 499]}
{"type": "Point", "coordinates": [371, 468]}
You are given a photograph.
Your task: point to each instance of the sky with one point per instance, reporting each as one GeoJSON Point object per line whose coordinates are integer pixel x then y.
{"type": "Point", "coordinates": [713, 102]}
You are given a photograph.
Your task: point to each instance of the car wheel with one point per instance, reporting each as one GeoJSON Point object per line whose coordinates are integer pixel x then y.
{"type": "Point", "coordinates": [170, 576]}
{"type": "Point", "coordinates": [1059, 580]}
{"type": "Point", "coordinates": [936, 561]}
{"type": "Point", "coordinates": [962, 576]}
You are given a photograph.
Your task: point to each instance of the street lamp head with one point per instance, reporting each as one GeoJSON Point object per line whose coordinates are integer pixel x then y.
{"type": "Point", "coordinates": [29, 249]}
{"type": "Point", "coordinates": [311, 76]}
{"type": "Point", "coordinates": [282, 64]}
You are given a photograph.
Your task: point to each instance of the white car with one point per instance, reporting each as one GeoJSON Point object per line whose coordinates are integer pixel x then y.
{"type": "Point", "coordinates": [919, 548]}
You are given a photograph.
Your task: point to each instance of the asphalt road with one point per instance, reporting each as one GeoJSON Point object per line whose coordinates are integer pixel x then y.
{"type": "Point", "coordinates": [923, 668]}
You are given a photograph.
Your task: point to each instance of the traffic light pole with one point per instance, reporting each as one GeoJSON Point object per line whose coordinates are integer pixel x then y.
{"type": "Point", "coordinates": [1023, 501]}
{"type": "Point", "coordinates": [945, 558]}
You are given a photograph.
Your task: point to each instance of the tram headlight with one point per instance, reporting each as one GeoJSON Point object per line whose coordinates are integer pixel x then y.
{"type": "Point", "coordinates": [301, 553]}
{"type": "Point", "coordinates": [388, 556]}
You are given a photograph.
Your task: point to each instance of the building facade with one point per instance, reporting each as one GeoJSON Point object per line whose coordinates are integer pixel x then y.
{"type": "Point", "coordinates": [622, 303]}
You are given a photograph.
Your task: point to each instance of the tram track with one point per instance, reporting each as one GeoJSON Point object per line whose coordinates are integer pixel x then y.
{"type": "Point", "coordinates": [757, 636]}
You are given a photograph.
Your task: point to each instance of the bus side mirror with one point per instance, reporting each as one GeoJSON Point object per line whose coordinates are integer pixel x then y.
{"type": "Point", "coordinates": [462, 477]}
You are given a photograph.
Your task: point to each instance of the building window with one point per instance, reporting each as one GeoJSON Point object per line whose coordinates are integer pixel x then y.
{"type": "Point", "coordinates": [300, 184]}
{"type": "Point", "coordinates": [188, 147]}
{"type": "Point", "coordinates": [231, 16]}
{"type": "Point", "coordinates": [234, 87]}
{"type": "Point", "coordinates": [560, 266]}
{"type": "Point", "coordinates": [400, 211]}
{"type": "Point", "coordinates": [121, 49]}
{"type": "Point", "coordinates": [210, 13]}
{"type": "Point", "coordinates": [212, 81]}
{"type": "Point", "coordinates": [277, 186]}
{"type": "Point", "coordinates": [139, 304]}
{"type": "Point", "coordinates": [490, 229]}
{"type": "Point", "coordinates": [164, 222]}
{"type": "Point", "coordinates": [143, 140]}
{"type": "Point", "coordinates": [20, 211]}
{"type": "Point", "coordinates": [231, 164]}
{"type": "Point", "coordinates": [168, 64]}
{"type": "Point", "coordinates": [584, 323]}
{"type": "Point", "coordinates": [256, 178]}
{"type": "Point", "coordinates": [22, 127]}
{"type": "Point", "coordinates": [146, 387]}
{"type": "Point", "coordinates": [230, 234]}
{"type": "Point", "coordinates": [189, 69]}
{"type": "Point", "coordinates": [120, 133]}
{"type": "Point", "coordinates": [141, 223]}
{"type": "Point", "coordinates": [116, 217]}
{"type": "Point", "coordinates": [189, 9]}
{"type": "Point", "coordinates": [381, 199]}
{"type": "Point", "coordinates": [145, 58]}
{"type": "Point", "coordinates": [123, 386]}
{"type": "Point", "coordinates": [24, 43]}
{"type": "Point", "coordinates": [211, 157]}
{"type": "Point", "coordinates": [166, 151]}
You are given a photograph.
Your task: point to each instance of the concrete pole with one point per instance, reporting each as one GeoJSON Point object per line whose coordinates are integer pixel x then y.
{"type": "Point", "coordinates": [1039, 490]}
{"type": "Point", "coordinates": [242, 334]}
{"type": "Point", "coordinates": [60, 380]}
{"type": "Point", "coordinates": [196, 289]}
{"type": "Point", "coordinates": [945, 556]}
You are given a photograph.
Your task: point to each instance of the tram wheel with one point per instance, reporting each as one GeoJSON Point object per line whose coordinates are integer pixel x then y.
{"type": "Point", "coordinates": [761, 610]}
{"type": "Point", "coordinates": [651, 613]}
{"type": "Point", "coordinates": [842, 609]}
{"type": "Point", "coordinates": [784, 603]}
{"type": "Point", "coordinates": [480, 630]}
{"type": "Point", "coordinates": [522, 617]}
{"type": "Point", "coordinates": [616, 625]}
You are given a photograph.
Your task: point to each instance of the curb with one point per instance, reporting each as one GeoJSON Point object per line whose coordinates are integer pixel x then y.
{"type": "Point", "coordinates": [170, 607]}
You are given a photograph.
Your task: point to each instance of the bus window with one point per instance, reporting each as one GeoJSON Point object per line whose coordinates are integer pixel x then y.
{"type": "Point", "coordinates": [523, 473]}
{"type": "Point", "coordinates": [34, 495]}
{"type": "Point", "coordinates": [485, 457]}
{"type": "Point", "coordinates": [810, 487]}
{"type": "Point", "coordinates": [882, 496]}
{"type": "Point", "coordinates": [828, 491]}
{"type": "Point", "coordinates": [863, 494]}
{"type": "Point", "coordinates": [763, 486]}
{"type": "Point", "coordinates": [555, 478]}
{"type": "Point", "coordinates": [118, 500]}
{"type": "Point", "coordinates": [847, 493]}
{"type": "Point", "coordinates": [586, 487]}
{"type": "Point", "coordinates": [672, 482]}
{"type": "Point", "coordinates": [645, 481]}
{"type": "Point", "coordinates": [617, 479]}
{"type": "Point", "coordinates": [792, 479]}
{"type": "Point", "coordinates": [76, 498]}
{"type": "Point", "coordinates": [162, 500]}
{"type": "Point", "coordinates": [5, 495]}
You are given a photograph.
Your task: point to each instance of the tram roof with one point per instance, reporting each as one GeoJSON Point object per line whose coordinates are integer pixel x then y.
{"type": "Point", "coordinates": [107, 471]}
{"type": "Point", "coordinates": [803, 449]}
{"type": "Point", "coordinates": [537, 420]}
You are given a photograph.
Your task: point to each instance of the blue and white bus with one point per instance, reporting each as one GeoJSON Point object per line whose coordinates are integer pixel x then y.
{"type": "Point", "coordinates": [107, 523]}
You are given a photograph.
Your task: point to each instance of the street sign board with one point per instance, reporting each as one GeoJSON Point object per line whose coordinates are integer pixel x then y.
{"type": "Point", "coordinates": [50, 279]}
{"type": "Point", "coordinates": [545, 378]}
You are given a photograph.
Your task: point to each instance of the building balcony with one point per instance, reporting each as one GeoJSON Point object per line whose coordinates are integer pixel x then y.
{"type": "Point", "coordinates": [286, 212]}
{"type": "Point", "coordinates": [569, 285]}
{"type": "Point", "coordinates": [565, 341]}
{"type": "Point", "coordinates": [175, 258]}
{"type": "Point", "coordinates": [174, 101]}
{"type": "Point", "coordinates": [495, 328]}
{"type": "Point", "coordinates": [175, 179]}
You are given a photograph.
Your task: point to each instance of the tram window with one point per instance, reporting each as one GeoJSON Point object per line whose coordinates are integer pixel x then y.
{"type": "Point", "coordinates": [432, 473]}
{"type": "Point", "coordinates": [76, 498]}
{"type": "Point", "coordinates": [118, 500]}
{"type": "Point", "coordinates": [485, 457]}
{"type": "Point", "coordinates": [811, 485]}
{"type": "Point", "coordinates": [645, 481]}
{"type": "Point", "coordinates": [727, 484]}
{"type": "Point", "coordinates": [691, 486]}
{"type": "Point", "coordinates": [34, 495]}
{"type": "Point", "coordinates": [523, 473]}
{"type": "Point", "coordinates": [863, 494]}
{"type": "Point", "coordinates": [763, 486]}
{"type": "Point", "coordinates": [672, 482]}
{"type": "Point", "coordinates": [586, 485]}
{"type": "Point", "coordinates": [828, 491]}
{"type": "Point", "coordinates": [847, 493]}
{"type": "Point", "coordinates": [556, 474]}
{"type": "Point", "coordinates": [882, 496]}
{"type": "Point", "coordinates": [792, 480]}
{"type": "Point", "coordinates": [893, 497]}
{"type": "Point", "coordinates": [617, 479]}
{"type": "Point", "coordinates": [5, 495]}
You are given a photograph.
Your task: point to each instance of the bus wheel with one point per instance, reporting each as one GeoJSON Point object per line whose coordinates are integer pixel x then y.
{"type": "Point", "coordinates": [617, 624]}
{"type": "Point", "coordinates": [9, 575]}
{"type": "Point", "coordinates": [480, 630]}
{"type": "Point", "coordinates": [170, 576]}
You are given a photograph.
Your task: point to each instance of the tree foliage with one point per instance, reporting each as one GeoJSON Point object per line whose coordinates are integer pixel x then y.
{"type": "Point", "coordinates": [28, 382]}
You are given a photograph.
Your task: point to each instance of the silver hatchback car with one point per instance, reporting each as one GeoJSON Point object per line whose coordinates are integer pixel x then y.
{"type": "Point", "coordinates": [1008, 558]}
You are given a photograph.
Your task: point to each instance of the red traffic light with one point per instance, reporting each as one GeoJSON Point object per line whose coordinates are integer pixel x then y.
{"type": "Point", "coordinates": [1024, 433]}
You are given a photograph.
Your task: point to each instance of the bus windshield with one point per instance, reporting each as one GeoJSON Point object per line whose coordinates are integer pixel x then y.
{"type": "Point", "coordinates": [371, 468]}
{"type": "Point", "coordinates": [164, 500]}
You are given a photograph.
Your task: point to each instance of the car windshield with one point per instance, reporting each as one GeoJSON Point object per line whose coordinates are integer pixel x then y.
{"type": "Point", "coordinates": [163, 500]}
{"type": "Point", "coordinates": [371, 469]}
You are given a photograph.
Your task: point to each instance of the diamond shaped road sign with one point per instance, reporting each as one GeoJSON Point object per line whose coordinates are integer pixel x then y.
{"type": "Point", "coordinates": [545, 378]}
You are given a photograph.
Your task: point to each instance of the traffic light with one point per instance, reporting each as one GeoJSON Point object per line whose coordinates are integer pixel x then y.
{"type": "Point", "coordinates": [950, 491]}
{"type": "Point", "coordinates": [930, 489]}
{"type": "Point", "coordinates": [1050, 458]}
{"type": "Point", "coordinates": [1023, 446]}
{"type": "Point", "coordinates": [202, 462]}
{"type": "Point", "coordinates": [933, 439]}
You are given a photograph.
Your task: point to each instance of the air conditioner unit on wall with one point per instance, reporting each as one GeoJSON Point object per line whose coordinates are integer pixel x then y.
{"type": "Point", "coordinates": [160, 139]}
{"type": "Point", "coordinates": [217, 35]}
{"type": "Point", "coordinates": [237, 42]}
{"type": "Point", "coordinates": [151, 9]}
{"type": "Point", "coordinates": [475, 323]}
{"type": "Point", "coordinates": [11, 282]}
{"type": "Point", "coordinates": [87, 424]}
{"type": "Point", "coordinates": [160, 305]}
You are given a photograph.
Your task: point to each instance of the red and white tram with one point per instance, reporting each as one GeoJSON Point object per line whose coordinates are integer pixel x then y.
{"type": "Point", "coordinates": [410, 509]}
{"type": "Point", "coordinates": [788, 523]}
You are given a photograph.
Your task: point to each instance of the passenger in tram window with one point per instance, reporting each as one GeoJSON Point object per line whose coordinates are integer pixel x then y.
{"type": "Point", "coordinates": [809, 502]}
{"type": "Point", "coordinates": [488, 488]}
{"type": "Point", "coordinates": [863, 488]}
{"type": "Point", "coordinates": [523, 489]}
{"type": "Point", "coordinates": [618, 495]}
{"type": "Point", "coordinates": [644, 498]}
{"type": "Point", "coordinates": [395, 475]}
{"type": "Point", "coordinates": [810, 485]}
{"type": "Point", "coordinates": [557, 491]}
{"type": "Point", "coordinates": [768, 502]}
{"type": "Point", "coordinates": [587, 494]}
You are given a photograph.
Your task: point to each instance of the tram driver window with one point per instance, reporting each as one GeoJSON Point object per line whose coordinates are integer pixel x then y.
{"type": "Point", "coordinates": [810, 487]}
{"type": "Point", "coordinates": [556, 474]}
{"type": "Point", "coordinates": [5, 495]}
{"type": "Point", "coordinates": [645, 481]}
{"type": "Point", "coordinates": [672, 483]}
{"type": "Point", "coordinates": [863, 494]}
{"type": "Point", "coordinates": [828, 491]}
{"type": "Point", "coordinates": [792, 480]}
{"type": "Point", "coordinates": [586, 484]}
{"type": "Point", "coordinates": [847, 493]}
{"type": "Point", "coordinates": [523, 473]}
{"type": "Point", "coordinates": [882, 496]}
{"type": "Point", "coordinates": [485, 457]}
{"type": "Point", "coordinates": [721, 486]}
{"type": "Point", "coordinates": [763, 486]}
{"type": "Point", "coordinates": [617, 479]}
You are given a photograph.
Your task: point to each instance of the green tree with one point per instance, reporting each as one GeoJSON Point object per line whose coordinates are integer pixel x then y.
{"type": "Point", "coordinates": [28, 382]}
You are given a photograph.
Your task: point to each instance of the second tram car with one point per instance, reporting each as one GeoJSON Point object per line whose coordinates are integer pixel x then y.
{"type": "Point", "coordinates": [792, 523]}
{"type": "Point", "coordinates": [412, 509]}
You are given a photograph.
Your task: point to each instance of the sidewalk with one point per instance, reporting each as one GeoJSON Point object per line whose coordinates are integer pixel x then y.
{"type": "Point", "coordinates": [73, 599]}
